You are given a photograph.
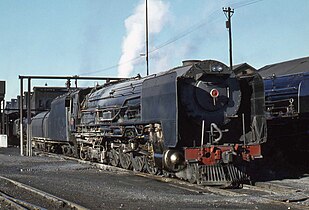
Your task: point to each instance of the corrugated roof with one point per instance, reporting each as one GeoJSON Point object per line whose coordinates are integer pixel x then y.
{"type": "Point", "coordinates": [287, 67]}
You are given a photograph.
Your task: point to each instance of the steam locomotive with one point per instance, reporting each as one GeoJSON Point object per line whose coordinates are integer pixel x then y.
{"type": "Point", "coordinates": [287, 112]}
{"type": "Point", "coordinates": [200, 122]}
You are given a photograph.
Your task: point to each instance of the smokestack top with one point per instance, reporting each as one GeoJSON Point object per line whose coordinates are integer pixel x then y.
{"type": "Point", "coordinates": [189, 62]}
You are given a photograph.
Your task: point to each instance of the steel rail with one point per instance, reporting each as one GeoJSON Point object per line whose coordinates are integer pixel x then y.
{"type": "Point", "coordinates": [20, 204]}
{"type": "Point", "coordinates": [266, 188]}
{"type": "Point", "coordinates": [46, 195]}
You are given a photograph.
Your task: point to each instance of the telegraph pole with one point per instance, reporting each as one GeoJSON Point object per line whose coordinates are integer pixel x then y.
{"type": "Point", "coordinates": [229, 13]}
{"type": "Point", "coordinates": [147, 61]}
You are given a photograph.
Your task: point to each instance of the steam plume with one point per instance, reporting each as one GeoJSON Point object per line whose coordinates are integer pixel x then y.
{"type": "Point", "coordinates": [134, 41]}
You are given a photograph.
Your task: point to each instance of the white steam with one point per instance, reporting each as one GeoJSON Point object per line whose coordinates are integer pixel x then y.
{"type": "Point", "coordinates": [134, 41]}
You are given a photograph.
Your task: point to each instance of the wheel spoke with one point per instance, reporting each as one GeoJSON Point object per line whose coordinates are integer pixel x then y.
{"type": "Point", "coordinates": [150, 167]}
{"type": "Point", "coordinates": [125, 160]}
{"type": "Point", "coordinates": [114, 157]}
{"type": "Point", "coordinates": [137, 162]}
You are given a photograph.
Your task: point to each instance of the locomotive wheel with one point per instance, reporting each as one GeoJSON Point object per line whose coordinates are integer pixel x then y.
{"type": "Point", "coordinates": [114, 157]}
{"type": "Point", "coordinates": [137, 162]}
{"type": "Point", "coordinates": [102, 158]}
{"type": "Point", "coordinates": [125, 160]}
{"type": "Point", "coordinates": [83, 155]}
{"type": "Point", "coordinates": [192, 173]}
{"type": "Point", "coordinates": [166, 173]}
{"type": "Point", "coordinates": [150, 167]}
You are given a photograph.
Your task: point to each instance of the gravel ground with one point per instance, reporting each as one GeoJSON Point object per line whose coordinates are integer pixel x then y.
{"type": "Point", "coordinates": [98, 189]}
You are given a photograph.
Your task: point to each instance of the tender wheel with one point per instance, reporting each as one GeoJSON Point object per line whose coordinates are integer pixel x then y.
{"type": "Point", "coordinates": [66, 150]}
{"type": "Point", "coordinates": [125, 160]}
{"type": "Point", "coordinates": [114, 157]}
{"type": "Point", "coordinates": [48, 148]}
{"type": "Point", "coordinates": [137, 162]}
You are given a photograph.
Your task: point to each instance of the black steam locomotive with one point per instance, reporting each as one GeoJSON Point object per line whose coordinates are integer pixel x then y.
{"type": "Point", "coordinates": [287, 112]}
{"type": "Point", "coordinates": [200, 122]}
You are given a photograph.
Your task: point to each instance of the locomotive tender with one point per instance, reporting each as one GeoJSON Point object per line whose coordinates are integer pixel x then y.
{"type": "Point", "coordinates": [200, 122]}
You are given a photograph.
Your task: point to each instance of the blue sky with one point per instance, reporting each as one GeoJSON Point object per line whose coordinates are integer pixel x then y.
{"type": "Point", "coordinates": [85, 37]}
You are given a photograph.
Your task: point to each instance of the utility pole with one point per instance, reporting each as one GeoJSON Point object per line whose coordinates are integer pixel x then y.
{"type": "Point", "coordinates": [147, 61]}
{"type": "Point", "coordinates": [2, 102]}
{"type": "Point", "coordinates": [229, 13]}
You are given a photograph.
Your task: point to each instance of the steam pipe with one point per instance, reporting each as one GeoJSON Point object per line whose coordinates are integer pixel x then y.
{"type": "Point", "coordinates": [203, 131]}
{"type": "Point", "coordinates": [243, 127]}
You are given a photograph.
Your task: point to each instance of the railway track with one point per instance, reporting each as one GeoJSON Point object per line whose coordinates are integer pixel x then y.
{"type": "Point", "coordinates": [291, 197]}
{"type": "Point", "coordinates": [17, 195]}
{"type": "Point", "coordinates": [269, 193]}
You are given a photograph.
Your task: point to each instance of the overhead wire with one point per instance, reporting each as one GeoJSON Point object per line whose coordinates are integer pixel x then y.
{"type": "Point", "coordinates": [181, 35]}
{"type": "Point", "coordinates": [245, 3]}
